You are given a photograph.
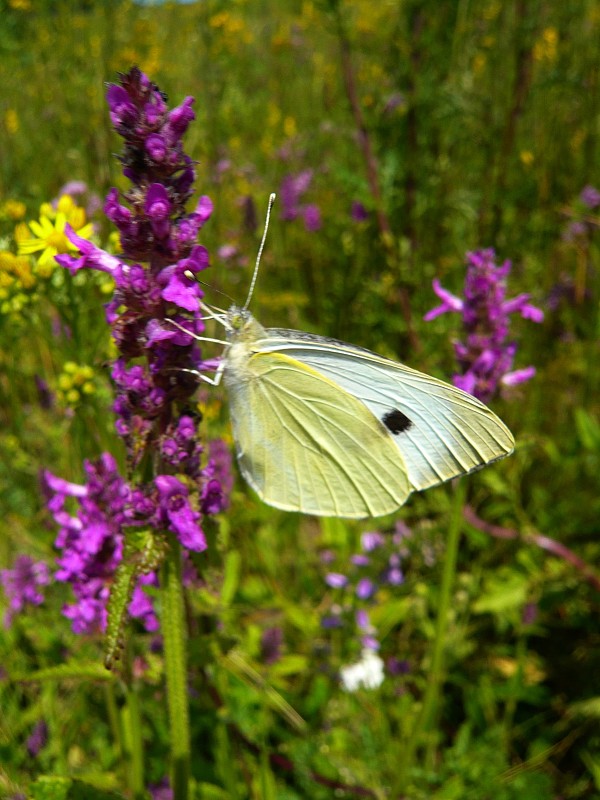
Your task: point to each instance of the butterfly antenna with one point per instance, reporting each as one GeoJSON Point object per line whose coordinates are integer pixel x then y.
{"type": "Point", "coordinates": [260, 249]}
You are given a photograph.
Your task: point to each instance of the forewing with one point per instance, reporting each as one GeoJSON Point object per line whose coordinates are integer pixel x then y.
{"type": "Point", "coordinates": [440, 430]}
{"type": "Point", "coordinates": [305, 444]}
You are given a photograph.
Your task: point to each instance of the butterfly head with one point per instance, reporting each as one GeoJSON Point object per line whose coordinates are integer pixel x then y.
{"type": "Point", "coordinates": [241, 325]}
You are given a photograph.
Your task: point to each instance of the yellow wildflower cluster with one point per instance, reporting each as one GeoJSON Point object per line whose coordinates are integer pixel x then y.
{"type": "Point", "coordinates": [74, 383]}
{"type": "Point", "coordinates": [232, 31]}
{"type": "Point", "coordinates": [49, 233]}
{"type": "Point", "coordinates": [16, 281]}
{"type": "Point", "coordinates": [13, 210]}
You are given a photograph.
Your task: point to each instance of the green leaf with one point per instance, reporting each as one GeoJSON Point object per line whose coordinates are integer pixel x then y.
{"type": "Point", "coordinates": [231, 579]}
{"type": "Point", "coordinates": [588, 429]}
{"type": "Point", "coordinates": [502, 593]}
{"type": "Point", "coordinates": [53, 788]}
{"type": "Point", "coordinates": [289, 665]}
{"type": "Point", "coordinates": [208, 791]}
{"type": "Point", "coordinates": [589, 708]}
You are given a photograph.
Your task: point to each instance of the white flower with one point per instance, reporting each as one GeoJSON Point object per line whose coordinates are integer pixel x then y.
{"type": "Point", "coordinates": [368, 672]}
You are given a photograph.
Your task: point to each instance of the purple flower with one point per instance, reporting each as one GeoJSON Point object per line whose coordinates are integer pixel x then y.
{"type": "Point", "coordinates": [365, 588]}
{"type": "Point", "coordinates": [158, 209]}
{"type": "Point", "coordinates": [312, 217]}
{"type": "Point", "coordinates": [590, 197]}
{"type": "Point", "coordinates": [270, 645]}
{"type": "Point", "coordinates": [22, 585]}
{"type": "Point", "coordinates": [290, 192]}
{"type": "Point", "coordinates": [371, 540]}
{"type": "Point", "coordinates": [38, 738]}
{"type": "Point", "coordinates": [358, 212]}
{"type": "Point", "coordinates": [92, 257]}
{"type": "Point", "coordinates": [449, 302]}
{"type": "Point", "coordinates": [177, 514]}
{"type": "Point", "coordinates": [181, 288]}
{"type": "Point", "coordinates": [336, 580]}
{"type": "Point", "coordinates": [161, 790]}
{"type": "Point", "coordinates": [486, 355]}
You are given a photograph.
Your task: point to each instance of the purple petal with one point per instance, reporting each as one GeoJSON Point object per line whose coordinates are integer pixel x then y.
{"type": "Point", "coordinates": [336, 580]}
{"type": "Point", "coordinates": [518, 376]}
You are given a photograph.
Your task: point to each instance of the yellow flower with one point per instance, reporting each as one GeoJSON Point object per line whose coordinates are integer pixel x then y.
{"type": "Point", "coordinates": [545, 49]}
{"type": "Point", "coordinates": [50, 237]}
{"type": "Point", "coordinates": [11, 120]}
{"type": "Point", "coordinates": [289, 127]}
{"type": "Point", "coordinates": [526, 157]}
{"type": "Point", "coordinates": [14, 209]}
{"type": "Point", "coordinates": [15, 268]}
{"type": "Point", "coordinates": [75, 381]}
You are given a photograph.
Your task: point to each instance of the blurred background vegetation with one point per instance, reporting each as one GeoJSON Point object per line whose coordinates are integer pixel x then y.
{"type": "Point", "coordinates": [429, 129]}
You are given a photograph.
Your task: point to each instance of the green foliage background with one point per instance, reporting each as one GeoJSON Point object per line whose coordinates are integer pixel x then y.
{"type": "Point", "coordinates": [481, 121]}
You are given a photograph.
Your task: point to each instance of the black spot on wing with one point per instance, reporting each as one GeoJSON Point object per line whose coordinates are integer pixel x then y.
{"type": "Point", "coordinates": [396, 422]}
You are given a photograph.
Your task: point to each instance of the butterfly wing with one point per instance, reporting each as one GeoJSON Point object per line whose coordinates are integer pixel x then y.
{"type": "Point", "coordinates": [439, 430]}
{"type": "Point", "coordinates": [305, 444]}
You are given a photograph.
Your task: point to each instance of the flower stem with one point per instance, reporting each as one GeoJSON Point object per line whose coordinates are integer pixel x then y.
{"type": "Point", "coordinates": [175, 648]}
{"type": "Point", "coordinates": [437, 668]}
{"type": "Point", "coordinates": [132, 726]}
{"type": "Point", "coordinates": [422, 733]}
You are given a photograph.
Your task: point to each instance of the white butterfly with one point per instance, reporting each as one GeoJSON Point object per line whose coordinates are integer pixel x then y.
{"type": "Point", "coordinates": [330, 429]}
{"type": "Point", "coordinates": [326, 428]}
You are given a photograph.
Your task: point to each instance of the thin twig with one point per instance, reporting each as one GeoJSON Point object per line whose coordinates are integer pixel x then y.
{"type": "Point", "coordinates": [540, 540]}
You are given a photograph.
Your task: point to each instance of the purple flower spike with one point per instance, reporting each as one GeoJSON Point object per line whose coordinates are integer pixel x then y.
{"type": "Point", "coordinates": [486, 356]}
{"type": "Point", "coordinates": [174, 481]}
{"type": "Point", "coordinates": [291, 191]}
{"type": "Point", "coordinates": [38, 738]}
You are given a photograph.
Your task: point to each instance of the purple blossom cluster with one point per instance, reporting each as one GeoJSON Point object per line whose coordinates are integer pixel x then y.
{"type": "Point", "coordinates": [22, 585]}
{"type": "Point", "coordinates": [290, 193]}
{"type": "Point", "coordinates": [378, 564]}
{"type": "Point", "coordinates": [92, 540]}
{"type": "Point", "coordinates": [174, 483]}
{"type": "Point", "coordinates": [487, 354]}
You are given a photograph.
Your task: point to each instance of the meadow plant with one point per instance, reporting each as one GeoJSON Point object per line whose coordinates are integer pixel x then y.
{"type": "Point", "coordinates": [149, 372]}
{"type": "Point", "coordinates": [116, 533]}
{"type": "Point", "coordinates": [486, 355]}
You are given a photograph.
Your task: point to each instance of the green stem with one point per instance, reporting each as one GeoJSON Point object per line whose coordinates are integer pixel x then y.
{"type": "Point", "coordinates": [132, 728]}
{"type": "Point", "coordinates": [422, 733]}
{"type": "Point", "coordinates": [175, 648]}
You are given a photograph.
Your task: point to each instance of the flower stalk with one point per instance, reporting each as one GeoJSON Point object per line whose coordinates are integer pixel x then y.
{"type": "Point", "coordinates": [175, 651]}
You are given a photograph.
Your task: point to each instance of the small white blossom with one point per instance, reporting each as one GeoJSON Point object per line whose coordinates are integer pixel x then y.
{"type": "Point", "coordinates": [368, 672]}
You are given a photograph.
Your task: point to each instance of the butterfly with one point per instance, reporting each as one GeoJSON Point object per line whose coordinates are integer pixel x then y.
{"type": "Point", "coordinates": [326, 428]}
